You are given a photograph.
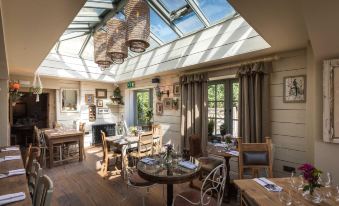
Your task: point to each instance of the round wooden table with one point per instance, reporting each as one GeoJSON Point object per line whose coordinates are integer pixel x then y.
{"type": "Point", "coordinates": [168, 174]}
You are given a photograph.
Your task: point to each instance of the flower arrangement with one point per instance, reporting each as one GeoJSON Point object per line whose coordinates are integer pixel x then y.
{"type": "Point", "coordinates": [14, 93]}
{"type": "Point", "coordinates": [311, 175]}
{"type": "Point", "coordinates": [133, 130]}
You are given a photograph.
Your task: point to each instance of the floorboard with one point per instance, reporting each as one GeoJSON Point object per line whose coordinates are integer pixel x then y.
{"type": "Point", "coordinates": [80, 183]}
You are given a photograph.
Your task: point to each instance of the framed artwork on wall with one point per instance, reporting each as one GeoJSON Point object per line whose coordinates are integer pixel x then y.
{"type": "Point", "coordinates": [159, 108]}
{"type": "Point", "coordinates": [294, 88]}
{"type": "Point", "coordinates": [168, 103]}
{"type": "Point", "coordinates": [101, 93]}
{"type": "Point", "coordinates": [89, 99]}
{"type": "Point", "coordinates": [100, 103]}
{"type": "Point", "coordinates": [103, 110]}
{"type": "Point", "coordinates": [176, 89]}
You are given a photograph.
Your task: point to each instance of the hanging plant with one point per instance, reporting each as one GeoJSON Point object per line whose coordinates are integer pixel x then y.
{"type": "Point", "coordinates": [36, 87]}
{"type": "Point", "coordinates": [158, 92]}
{"type": "Point", "coordinates": [14, 94]}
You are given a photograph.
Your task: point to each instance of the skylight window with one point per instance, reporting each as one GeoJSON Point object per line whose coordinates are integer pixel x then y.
{"type": "Point", "coordinates": [90, 12]}
{"type": "Point", "coordinates": [215, 10]}
{"type": "Point", "coordinates": [72, 46]}
{"type": "Point", "coordinates": [89, 50]}
{"type": "Point", "coordinates": [188, 23]}
{"type": "Point", "coordinates": [160, 29]}
{"type": "Point", "coordinates": [173, 5]}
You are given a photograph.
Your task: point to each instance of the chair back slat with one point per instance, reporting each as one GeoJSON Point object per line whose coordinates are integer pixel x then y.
{"type": "Point", "coordinates": [44, 191]}
{"type": "Point", "coordinates": [104, 144]}
{"type": "Point", "coordinates": [145, 142]}
{"type": "Point", "coordinates": [157, 138]}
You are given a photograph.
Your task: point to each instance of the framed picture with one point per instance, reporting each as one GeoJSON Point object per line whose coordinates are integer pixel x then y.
{"type": "Point", "coordinates": [101, 93]}
{"type": "Point", "coordinates": [294, 88]}
{"type": "Point", "coordinates": [159, 108]}
{"type": "Point", "coordinates": [176, 89]}
{"type": "Point", "coordinates": [103, 110]}
{"type": "Point", "coordinates": [89, 99]}
{"type": "Point", "coordinates": [100, 103]}
{"type": "Point", "coordinates": [168, 103]}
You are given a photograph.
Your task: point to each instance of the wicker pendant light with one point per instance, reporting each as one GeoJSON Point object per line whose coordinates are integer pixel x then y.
{"type": "Point", "coordinates": [138, 25]}
{"type": "Point", "coordinates": [100, 50]}
{"type": "Point", "coordinates": [116, 40]}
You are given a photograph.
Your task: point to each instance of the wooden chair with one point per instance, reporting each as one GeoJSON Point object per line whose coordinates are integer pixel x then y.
{"type": "Point", "coordinates": [157, 139]}
{"type": "Point", "coordinates": [44, 191]}
{"type": "Point", "coordinates": [40, 141]}
{"type": "Point", "coordinates": [207, 163]}
{"type": "Point", "coordinates": [82, 129]}
{"type": "Point", "coordinates": [33, 178]}
{"type": "Point", "coordinates": [145, 146]}
{"type": "Point", "coordinates": [32, 155]}
{"type": "Point", "coordinates": [71, 149]}
{"type": "Point", "coordinates": [107, 155]}
{"type": "Point", "coordinates": [213, 186]}
{"type": "Point", "coordinates": [255, 156]}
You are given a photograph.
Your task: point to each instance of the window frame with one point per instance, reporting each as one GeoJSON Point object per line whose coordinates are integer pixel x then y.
{"type": "Point", "coordinates": [135, 109]}
{"type": "Point", "coordinates": [228, 104]}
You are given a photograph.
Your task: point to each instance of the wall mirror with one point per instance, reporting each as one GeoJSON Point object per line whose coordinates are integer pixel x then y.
{"type": "Point", "coordinates": [331, 101]}
{"type": "Point", "coordinates": [69, 100]}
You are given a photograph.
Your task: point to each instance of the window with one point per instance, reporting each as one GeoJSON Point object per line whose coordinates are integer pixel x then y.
{"type": "Point", "coordinates": [143, 104]}
{"type": "Point", "coordinates": [223, 97]}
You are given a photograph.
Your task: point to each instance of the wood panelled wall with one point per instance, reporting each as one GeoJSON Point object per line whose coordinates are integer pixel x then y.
{"type": "Point", "coordinates": [170, 119]}
{"type": "Point", "coordinates": [288, 119]}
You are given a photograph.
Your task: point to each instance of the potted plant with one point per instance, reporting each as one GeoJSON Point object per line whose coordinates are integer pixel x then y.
{"type": "Point", "coordinates": [223, 129]}
{"type": "Point", "coordinates": [14, 93]}
{"type": "Point", "coordinates": [311, 176]}
{"type": "Point", "coordinates": [133, 131]}
{"type": "Point", "coordinates": [117, 97]}
{"type": "Point", "coordinates": [210, 128]}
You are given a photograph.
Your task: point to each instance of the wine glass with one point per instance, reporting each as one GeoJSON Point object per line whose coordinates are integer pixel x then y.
{"type": "Point", "coordinates": [337, 193]}
{"type": "Point", "coordinates": [328, 181]}
{"type": "Point", "coordinates": [297, 182]}
{"type": "Point", "coordinates": [285, 197]}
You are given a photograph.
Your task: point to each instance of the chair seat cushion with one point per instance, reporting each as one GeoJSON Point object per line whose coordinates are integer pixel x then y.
{"type": "Point", "coordinates": [195, 197]}
{"type": "Point", "coordinates": [138, 181]}
{"type": "Point", "coordinates": [209, 163]}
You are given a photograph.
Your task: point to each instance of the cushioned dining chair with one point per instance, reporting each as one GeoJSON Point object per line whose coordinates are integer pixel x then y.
{"type": "Point", "coordinates": [255, 157]}
{"type": "Point", "coordinates": [145, 146]}
{"type": "Point", "coordinates": [211, 192]}
{"type": "Point", "coordinates": [107, 155]}
{"type": "Point", "coordinates": [44, 191]}
{"type": "Point", "coordinates": [208, 163]}
{"type": "Point", "coordinates": [133, 180]}
{"type": "Point", "coordinates": [33, 178]}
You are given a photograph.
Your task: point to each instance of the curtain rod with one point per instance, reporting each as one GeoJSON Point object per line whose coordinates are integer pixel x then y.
{"type": "Point", "coordinates": [228, 66]}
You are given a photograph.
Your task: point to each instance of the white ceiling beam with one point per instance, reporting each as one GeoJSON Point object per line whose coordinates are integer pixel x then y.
{"type": "Point", "coordinates": [98, 5]}
{"type": "Point", "coordinates": [83, 47]}
{"type": "Point", "coordinates": [90, 19]}
{"type": "Point", "coordinates": [198, 12]}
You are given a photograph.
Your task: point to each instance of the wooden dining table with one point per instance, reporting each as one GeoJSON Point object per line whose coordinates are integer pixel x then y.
{"type": "Point", "coordinates": [260, 196]}
{"type": "Point", "coordinates": [56, 136]}
{"type": "Point", "coordinates": [14, 184]}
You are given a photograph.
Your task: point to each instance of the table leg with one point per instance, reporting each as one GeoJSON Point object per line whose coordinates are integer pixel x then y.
{"type": "Point", "coordinates": [169, 194]}
{"type": "Point", "coordinates": [228, 179]}
{"type": "Point", "coordinates": [51, 158]}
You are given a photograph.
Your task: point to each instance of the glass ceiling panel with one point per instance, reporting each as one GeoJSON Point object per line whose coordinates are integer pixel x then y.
{"type": "Point", "coordinates": [90, 12]}
{"type": "Point", "coordinates": [173, 5]}
{"type": "Point", "coordinates": [89, 50]}
{"type": "Point", "coordinates": [215, 10]}
{"type": "Point", "coordinates": [160, 29]}
{"type": "Point", "coordinates": [188, 23]}
{"type": "Point", "coordinates": [72, 46]}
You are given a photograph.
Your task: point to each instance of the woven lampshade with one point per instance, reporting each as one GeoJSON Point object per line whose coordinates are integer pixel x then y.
{"type": "Point", "coordinates": [116, 40]}
{"type": "Point", "coordinates": [100, 50]}
{"type": "Point", "coordinates": [138, 25]}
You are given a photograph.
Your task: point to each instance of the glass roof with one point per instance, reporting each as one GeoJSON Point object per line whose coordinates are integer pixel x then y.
{"type": "Point", "coordinates": [170, 20]}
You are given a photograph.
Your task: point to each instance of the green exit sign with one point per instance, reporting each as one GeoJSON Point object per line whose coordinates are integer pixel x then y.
{"type": "Point", "coordinates": [130, 84]}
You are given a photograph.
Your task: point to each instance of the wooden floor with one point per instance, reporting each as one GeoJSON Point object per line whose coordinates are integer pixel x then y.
{"type": "Point", "coordinates": [81, 184]}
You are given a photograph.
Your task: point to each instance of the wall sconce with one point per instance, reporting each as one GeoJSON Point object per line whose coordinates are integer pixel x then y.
{"type": "Point", "coordinates": [165, 92]}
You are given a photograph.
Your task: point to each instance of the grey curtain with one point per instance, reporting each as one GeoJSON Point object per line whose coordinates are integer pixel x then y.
{"type": "Point", "coordinates": [194, 109]}
{"type": "Point", "coordinates": [254, 107]}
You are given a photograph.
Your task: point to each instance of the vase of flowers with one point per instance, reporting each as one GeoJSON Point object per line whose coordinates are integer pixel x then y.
{"type": "Point", "coordinates": [168, 155]}
{"type": "Point", "coordinates": [311, 176]}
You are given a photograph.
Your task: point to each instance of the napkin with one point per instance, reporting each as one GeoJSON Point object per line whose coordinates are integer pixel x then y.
{"type": "Point", "coordinates": [10, 149]}
{"type": "Point", "coordinates": [9, 198]}
{"type": "Point", "coordinates": [147, 160]}
{"type": "Point", "coordinates": [268, 185]}
{"type": "Point", "coordinates": [13, 173]}
{"type": "Point", "coordinates": [233, 152]}
{"type": "Point", "coordinates": [220, 145]}
{"type": "Point", "coordinates": [7, 158]}
{"type": "Point", "coordinates": [188, 165]}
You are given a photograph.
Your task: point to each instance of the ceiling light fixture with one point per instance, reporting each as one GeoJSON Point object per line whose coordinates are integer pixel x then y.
{"type": "Point", "coordinates": [116, 40]}
{"type": "Point", "coordinates": [100, 50]}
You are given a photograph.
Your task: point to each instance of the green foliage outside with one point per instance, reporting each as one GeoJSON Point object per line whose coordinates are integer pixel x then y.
{"type": "Point", "coordinates": [145, 112]}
